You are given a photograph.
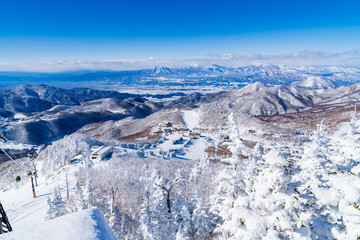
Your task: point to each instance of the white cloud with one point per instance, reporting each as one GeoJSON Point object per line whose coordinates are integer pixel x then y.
{"type": "Point", "coordinates": [304, 58]}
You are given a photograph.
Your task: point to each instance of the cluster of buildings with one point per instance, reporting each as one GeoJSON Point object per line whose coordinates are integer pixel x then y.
{"type": "Point", "coordinates": [170, 128]}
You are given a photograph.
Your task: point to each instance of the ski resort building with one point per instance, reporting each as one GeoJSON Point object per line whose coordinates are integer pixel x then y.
{"type": "Point", "coordinates": [194, 134]}
{"type": "Point", "coordinates": [101, 153]}
{"type": "Point", "coordinates": [180, 129]}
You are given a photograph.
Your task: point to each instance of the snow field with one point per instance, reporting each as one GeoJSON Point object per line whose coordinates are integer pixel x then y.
{"type": "Point", "coordinates": [83, 225]}
{"type": "Point", "coordinates": [191, 118]}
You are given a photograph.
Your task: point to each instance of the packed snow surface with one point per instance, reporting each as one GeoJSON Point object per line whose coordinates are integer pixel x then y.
{"type": "Point", "coordinates": [15, 146]}
{"type": "Point", "coordinates": [191, 118]}
{"type": "Point", "coordinates": [83, 225]}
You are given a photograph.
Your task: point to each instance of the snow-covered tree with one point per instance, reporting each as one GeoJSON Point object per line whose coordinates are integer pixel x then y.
{"type": "Point", "coordinates": [120, 225]}
{"type": "Point", "coordinates": [158, 219]}
{"type": "Point", "coordinates": [61, 152]}
{"type": "Point", "coordinates": [56, 205]}
{"type": "Point", "coordinates": [197, 221]}
{"type": "Point", "coordinates": [76, 201]}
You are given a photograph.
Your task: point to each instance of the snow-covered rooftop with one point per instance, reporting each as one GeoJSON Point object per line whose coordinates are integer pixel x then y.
{"type": "Point", "coordinates": [101, 150]}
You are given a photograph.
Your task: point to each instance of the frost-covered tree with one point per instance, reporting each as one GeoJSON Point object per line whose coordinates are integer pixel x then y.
{"type": "Point", "coordinates": [197, 221]}
{"type": "Point", "coordinates": [109, 183]}
{"type": "Point", "coordinates": [354, 121]}
{"type": "Point", "coordinates": [120, 225]}
{"type": "Point", "coordinates": [76, 201]}
{"type": "Point", "coordinates": [56, 205]}
{"type": "Point", "coordinates": [62, 151]}
{"type": "Point", "coordinates": [159, 221]}
{"type": "Point", "coordinates": [327, 174]}
{"type": "Point", "coordinates": [200, 181]}
{"type": "Point", "coordinates": [164, 200]}
{"type": "Point", "coordinates": [258, 202]}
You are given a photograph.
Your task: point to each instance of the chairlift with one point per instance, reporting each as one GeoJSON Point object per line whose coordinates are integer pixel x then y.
{"type": "Point", "coordinates": [29, 173]}
{"type": "Point", "coordinates": [18, 179]}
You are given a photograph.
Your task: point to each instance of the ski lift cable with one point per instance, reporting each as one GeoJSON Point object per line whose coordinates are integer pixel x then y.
{"type": "Point", "coordinates": [12, 159]}
{"type": "Point", "coordinates": [5, 140]}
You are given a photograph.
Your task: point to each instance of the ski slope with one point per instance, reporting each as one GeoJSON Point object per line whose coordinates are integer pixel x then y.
{"type": "Point", "coordinates": [88, 224]}
{"type": "Point", "coordinates": [191, 118]}
{"type": "Point", "coordinates": [26, 214]}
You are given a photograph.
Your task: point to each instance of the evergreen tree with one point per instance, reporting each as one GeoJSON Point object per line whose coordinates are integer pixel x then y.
{"type": "Point", "coordinates": [119, 225]}
{"type": "Point", "coordinates": [80, 198]}
{"type": "Point", "coordinates": [56, 206]}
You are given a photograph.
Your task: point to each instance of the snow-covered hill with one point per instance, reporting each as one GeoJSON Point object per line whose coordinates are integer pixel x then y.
{"type": "Point", "coordinates": [44, 127]}
{"type": "Point", "coordinates": [259, 99]}
{"type": "Point", "coordinates": [38, 98]}
{"type": "Point", "coordinates": [315, 83]}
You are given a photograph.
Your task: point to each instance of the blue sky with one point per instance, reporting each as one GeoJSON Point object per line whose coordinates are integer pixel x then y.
{"type": "Point", "coordinates": [42, 31]}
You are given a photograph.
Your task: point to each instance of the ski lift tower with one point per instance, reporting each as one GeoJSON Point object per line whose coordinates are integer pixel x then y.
{"type": "Point", "coordinates": [4, 221]}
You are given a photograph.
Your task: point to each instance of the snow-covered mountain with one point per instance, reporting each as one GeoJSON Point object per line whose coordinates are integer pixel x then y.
{"type": "Point", "coordinates": [255, 104]}
{"type": "Point", "coordinates": [315, 83]}
{"type": "Point", "coordinates": [191, 79]}
{"type": "Point", "coordinates": [161, 70]}
{"type": "Point", "coordinates": [48, 113]}
{"type": "Point", "coordinates": [260, 99]}
{"type": "Point", "coordinates": [38, 98]}
{"type": "Point", "coordinates": [228, 77]}
{"type": "Point", "coordinates": [47, 126]}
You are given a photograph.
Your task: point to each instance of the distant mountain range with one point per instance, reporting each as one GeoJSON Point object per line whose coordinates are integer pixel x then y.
{"type": "Point", "coordinates": [193, 78]}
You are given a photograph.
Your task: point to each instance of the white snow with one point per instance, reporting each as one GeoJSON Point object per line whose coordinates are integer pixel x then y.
{"type": "Point", "coordinates": [168, 142]}
{"type": "Point", "coordinates": [254, 194]}
{"type": "Point", "coordinates": [83, 225]}
{"type": "Point", "coordinates": [19, 116]}
{"type": "Point", "coordinates": [12, 145]}
{"type": "Point", "coordinates": [196, 149]}
{"type": "Point", "coordinates": [316, 83]}
{"type": "Point", "coordinates": [191, 118]}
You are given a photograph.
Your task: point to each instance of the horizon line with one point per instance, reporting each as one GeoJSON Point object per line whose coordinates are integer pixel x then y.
{"type": "Point", "coordinates": [304, 58]}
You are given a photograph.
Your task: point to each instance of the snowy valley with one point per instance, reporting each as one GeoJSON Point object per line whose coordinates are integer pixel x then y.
{"type": "Point", "coordinates": [275, 157]}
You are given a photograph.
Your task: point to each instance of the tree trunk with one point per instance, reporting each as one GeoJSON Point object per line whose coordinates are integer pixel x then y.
{"type": "Point", "coordinates": [112, 201]}
{"type": "Point", "coordinates": [168, 203]}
